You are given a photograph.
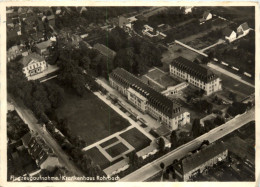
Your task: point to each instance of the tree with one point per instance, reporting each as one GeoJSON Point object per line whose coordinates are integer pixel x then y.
{"type": "Point", "coordinates": [173, 139]}
{"type": "Point", "coordinates": [232, 96]}
{"type": "Point", "coordinates": [133, 158]}
{"type": "Point", "coordinates": [162, 165]}
{"type": "Point", "coordinates": [161, 144]}
{"type": "Point", "coordinates": [219, 120]}
{"type": "Point", "coordinates": [208, 125]}
{"type": "Point", "coordinates": [196, 128]}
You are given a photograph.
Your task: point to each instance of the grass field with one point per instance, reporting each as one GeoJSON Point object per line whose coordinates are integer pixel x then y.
{"type": "Point", "coordinates": [98, 157]}
{"type": "Point", "coordinates": [89, 117]}
{"type": "Point", "coordinates": [116, 149]}
{"type": "Point", "coordinates": [135, 138]}
{"type": "Point", "coordinates": [109, 142]}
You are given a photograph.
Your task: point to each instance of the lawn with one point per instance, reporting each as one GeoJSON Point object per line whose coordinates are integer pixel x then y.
{"type": "Point", "coordinates": [135, 138]}
{"type": "Point", "coordinates": [98, 157]}
{"type": "Point", "coordinates": [116, 149]}
{"type": "Point", "coordinates": [89, 117]}
{"type": "Point", "coordinates": [109, 142]}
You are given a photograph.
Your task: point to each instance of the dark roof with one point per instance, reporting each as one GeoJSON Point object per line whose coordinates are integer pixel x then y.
{"type": "Point", "coordinates": [12, 34]}
{"type": "Point", "coordinates": [33, 56]}
{"type": "Point", "coordinates": [50, 17]}
{"type": "Point", "coordinates": [122, 21]}
{"type": "Point", "coordinates": [155, 99]}
{"type": "Point", "coordinates": [205, 14]}
{"type": "Point", "coordinates": [227, 32]}
{"type": "Point", "coordinates": [26, 139]}
{"type": "Point", "coordinates": [44, 45]}
{"type": "Point", "coordinates": [194, 69]}
{"type": "Point", "coordinates": [105, 50]}
{"type": "Point", "coordinates": [245, 26]}
{"type": "Point", "coordinates": [199, 158]}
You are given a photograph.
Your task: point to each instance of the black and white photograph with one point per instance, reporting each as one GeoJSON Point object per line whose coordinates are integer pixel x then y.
{"type": "Point", "coordinates": [130, 93]}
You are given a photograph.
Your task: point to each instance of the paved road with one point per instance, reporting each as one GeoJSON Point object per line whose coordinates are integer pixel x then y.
{"type": "Point", "coordinates": [153, 168]}
{"type": "Point", "coordinates": [28, 117]}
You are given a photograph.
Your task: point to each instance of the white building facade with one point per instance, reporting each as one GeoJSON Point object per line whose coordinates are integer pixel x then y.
{"type": "Point", "coordinates": [33, 64]}
{"type": "Point", "coordinates": [196, 75]}
{"type": "Point", "coordinates": [148, 100]}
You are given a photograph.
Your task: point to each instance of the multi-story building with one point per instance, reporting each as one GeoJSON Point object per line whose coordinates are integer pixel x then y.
{"type": "Point", "coordinates": [40, 152]}
{"type": "Point", "coordinates": [196, 75]}
{"type": "Point", "coordinates": [200, 161]}
{"type": "Point", "coordinates": [148, 100]}
{"type": "Point", "coordinates": [33, 64]}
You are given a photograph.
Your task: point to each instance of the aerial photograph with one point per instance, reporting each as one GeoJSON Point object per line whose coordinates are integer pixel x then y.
{"type": "Point", "coordinates": [130, 93]}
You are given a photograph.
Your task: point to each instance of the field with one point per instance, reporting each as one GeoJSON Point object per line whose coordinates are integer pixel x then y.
{"type": "Point", "coordinates": [135, 138]}
{"type": "Point", "coordinates": [90, 118]}
{"type": "Point", "coordinates": [98, 157]}
{"type": "Point", "coordinates": [116, 149]}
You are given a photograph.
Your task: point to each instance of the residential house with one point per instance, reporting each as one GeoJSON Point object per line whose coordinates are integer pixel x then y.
{"type": "Point", "coordinates": [12, 35]}
{"type": "Point", "coordinates": [206, 16]}
{"type": "Point", "coordinates": [195, 74]}
{"type": "Point", "coordinates": [43, 46]}
{"type": "Point", "coordinates": [40, 152]}
{"type": "Point", "coordinates": [148, 151]}
{"type": "Point", "coordinates": [33, 64]}
{"type": "Point", "coordinates": [9, 23]}
{"type": "Point", "coordinates": [51, 20]}
{"type": "Point", "coordinates": [148, 100]}
{"type": "Point", "coordinates": [243, 29]}
{"type": "Point", "coordinates": [117, 167]}
{"type": "Point", "coordinates": [58, 11]}
{"type": "Point", "coordinates": [187, 9]}
{"type": "Point", "coordinates": [200, 161]}
{"type": "Point", "coordinates": [109, 53]}
{"type": "Point", "coordinates": [13, 52]}
{"type": "Point", "coordinates": [229, 34]}
{"type": "Point", "coordinates": [124, 22]}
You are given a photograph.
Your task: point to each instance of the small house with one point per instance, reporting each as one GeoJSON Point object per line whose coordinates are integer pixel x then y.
{"type": "Point", "coordinates": [229, 34]}
{"type": "Point", "coordinates": [206, 16]}
{"type": "Point", "coordinates": [243, 29]}
{"type": "Point", "coordinates": [33, 64]}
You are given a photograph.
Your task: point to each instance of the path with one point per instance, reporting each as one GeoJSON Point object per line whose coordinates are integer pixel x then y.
{"type": "Point", "coordinates": [220, 41]}
{"type": "Point", "coordinates": [190, 48]}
